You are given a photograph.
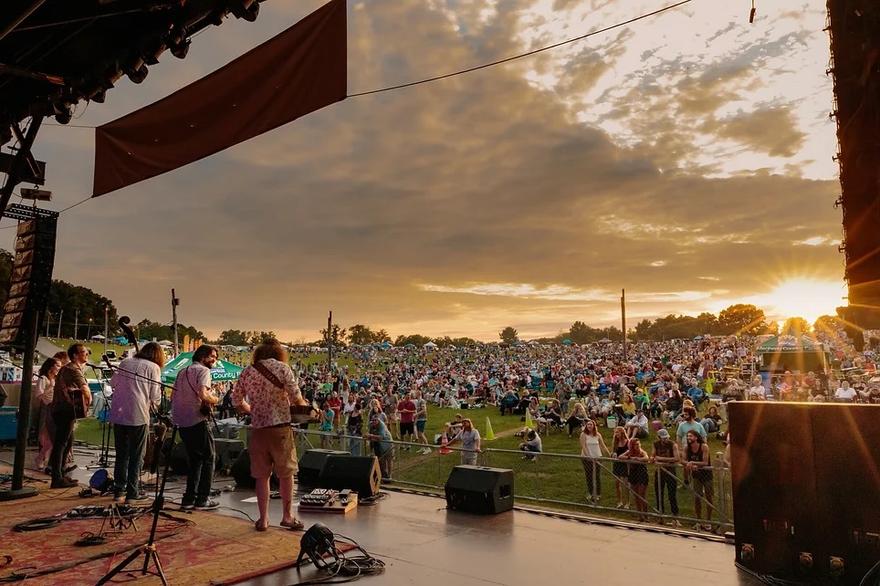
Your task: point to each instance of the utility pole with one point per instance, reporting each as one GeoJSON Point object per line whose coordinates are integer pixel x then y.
{"type": "Point", "coordinates": [623, 319]}
{"type": "Point", "coordinates": [174, 303]}
{"type": "Point", "coordinates": [330, 342]}
{"type": "Point", "coordinates": [60, 317]}
{"type": "Point", "coordinates": [76, 326]}
{"type": "Point", "coordinates": [48, 317]}
{"type": "Point", "coordinates": [106, 327]}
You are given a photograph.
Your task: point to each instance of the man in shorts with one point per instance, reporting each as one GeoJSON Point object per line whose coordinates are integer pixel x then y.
{"type": "Point", "coordinates": [421, 421]}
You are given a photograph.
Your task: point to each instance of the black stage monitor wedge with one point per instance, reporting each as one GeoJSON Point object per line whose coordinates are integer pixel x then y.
{"type": "Point", "coordinates": [358, 473]}
{"type": "Point", "coordinates": [479, 490]}
{"type": "Point", "coordinates": [806, 489]}
{"type": "Point", "coordinates": [227, 452]}
{"type": "Point", "coordinates": [311, 464]}
{"type": "Point", "coordinates": [241, 472]}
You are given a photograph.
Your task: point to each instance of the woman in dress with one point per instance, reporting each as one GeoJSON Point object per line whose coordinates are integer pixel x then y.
{"type": "Point", "coordinates": [45, 392]}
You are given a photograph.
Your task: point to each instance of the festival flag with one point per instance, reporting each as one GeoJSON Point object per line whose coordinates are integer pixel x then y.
{"type": "Point", "coordinates": [301, 70]}
{"type": "Point", "coordinates": [490, 435]}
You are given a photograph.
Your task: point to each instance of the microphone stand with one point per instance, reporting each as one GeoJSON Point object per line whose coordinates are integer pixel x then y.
{"type": "Point", "coordinates": [103, 460]}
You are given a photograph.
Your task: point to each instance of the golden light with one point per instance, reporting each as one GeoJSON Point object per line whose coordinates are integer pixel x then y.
{"type": "Point", "coordinates": [803, 297]}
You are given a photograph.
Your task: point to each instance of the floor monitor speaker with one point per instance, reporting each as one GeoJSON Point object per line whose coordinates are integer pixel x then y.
{"type": "Point", "coordinates": [479, 490]}
{"type": "Point", "coordinates": [311, 464]}
{"type": "Point", "coordinates": [358, 473]}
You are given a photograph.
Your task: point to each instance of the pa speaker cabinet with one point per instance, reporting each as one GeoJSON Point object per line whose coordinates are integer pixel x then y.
{"type": "Point", "coordinates": [479, 489]}
{"type": "Point", "coordinates": [358, 473]}
{"type": "Point", "coordinates": [227, 452]}
{"type": "Point", "coordinates": [241, 472]}
{"type": "Point", "coordinates": [806, 489]}
{"type": "Point", "coordinates": [312, 463]}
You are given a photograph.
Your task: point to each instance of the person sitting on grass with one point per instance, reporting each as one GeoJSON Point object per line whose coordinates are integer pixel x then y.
{"type": "Point", "coordinates": [637, 426]}
{"type": "Point", "coordinates": [532, 445]}
{"type": "Point", "coordinates": [712, 421]}
{"type": "Point", "coordinates": [508, 402]}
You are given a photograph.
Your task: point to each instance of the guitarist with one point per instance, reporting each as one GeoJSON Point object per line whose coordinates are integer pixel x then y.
{"type": "Point", "coordinates": [192, 402]}
{"type": "Point", "coordinates": [71, 388]}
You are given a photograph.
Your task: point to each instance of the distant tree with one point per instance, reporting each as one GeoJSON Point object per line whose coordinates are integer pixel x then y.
{"type": "Point", "coordinates": [261, 337]}
{"type": "Point", "coordinates": [232, 338]}
{"type": "Point", "coordinates": [827, 324]}
{"type": "Point", "coordinates": [414, 339]}
{"type": "Point", "coordinates": [360, 335]}
{"type": "Point", "coordinates": [150, 330]}
{"type": "Point", "coordinates": [381, 336]}
{"type": "Point", "coordinates": [337, 336]}
{"type": "Point", "coordinates": [795, 326]}
{"type": "Point", "coordinates": [742, 319]}
{"type": "Point", "coordinates": [508, 335]}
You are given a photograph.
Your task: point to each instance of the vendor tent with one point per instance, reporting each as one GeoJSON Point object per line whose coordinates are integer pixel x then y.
{"type": "Point", "coordinates": [223, 371]}
{"type": "Point", "coordinates": [567, 342]}
{"type": "Point", "coordinates": [430, 345]}
{"type": "Point", "coordinates": [794, 353]}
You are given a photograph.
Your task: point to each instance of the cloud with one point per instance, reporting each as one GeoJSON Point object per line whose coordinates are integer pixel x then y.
{"type": "Point", "coordinates": [461, 206]}
{"type": "Point", "coordinates": [770, 130]}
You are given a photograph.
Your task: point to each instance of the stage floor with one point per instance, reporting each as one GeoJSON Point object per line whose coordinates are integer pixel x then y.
{"type": "Point", "coordinates": [423, 543]}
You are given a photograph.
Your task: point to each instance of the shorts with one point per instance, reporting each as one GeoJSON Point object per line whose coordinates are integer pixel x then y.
{"type": "Point", "coordinates": [702, 484]}
{"type": "Point", "coordinates": [407, 428]}
{"type": "Point", "coordinates": [420, 425]}
{"type": "Point", "coordinates": [272, 449]}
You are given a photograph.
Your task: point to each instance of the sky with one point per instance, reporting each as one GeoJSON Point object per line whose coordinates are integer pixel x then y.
{"type": "Point", "coordinates": [686, 158]}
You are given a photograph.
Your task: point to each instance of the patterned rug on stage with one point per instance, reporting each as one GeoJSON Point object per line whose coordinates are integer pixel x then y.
{"type": "Point", "coordinates": [201, 548]}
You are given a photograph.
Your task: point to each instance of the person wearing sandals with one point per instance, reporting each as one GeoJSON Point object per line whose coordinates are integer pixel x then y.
{"type": "Point", "coordinates": [266, 390]}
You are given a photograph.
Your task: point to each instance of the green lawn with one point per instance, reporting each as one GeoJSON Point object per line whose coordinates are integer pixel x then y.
{"type": "Point", "coordinates": [97, 348]}
{"type": "Point", "coordinates": [550, 481]}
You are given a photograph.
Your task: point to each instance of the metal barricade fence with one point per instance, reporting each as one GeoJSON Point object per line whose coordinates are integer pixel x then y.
{"type": "Point", "coordinates": [671, 494]}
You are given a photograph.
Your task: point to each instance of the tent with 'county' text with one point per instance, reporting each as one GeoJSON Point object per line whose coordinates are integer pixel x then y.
{"type": "Point", "coordinates": [223, 371]}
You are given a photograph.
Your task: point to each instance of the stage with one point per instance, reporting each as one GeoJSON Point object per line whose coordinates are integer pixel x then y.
{"type": "Point", "coordinates": [423, 543]}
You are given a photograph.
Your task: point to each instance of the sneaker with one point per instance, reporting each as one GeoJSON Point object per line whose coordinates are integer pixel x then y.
{"type": "Point", "coordinates": [676, 523]}
{"type": "Point", "coordinates": [207, 505]}
{"type": "Point", "coordinates": [619, 505]}
{"type": "Point", "coordinates": [69, 469]}
{"type": "Point", "coordinates": [187, 505]}
{"type": "Point", "coordinates": [137, 499]}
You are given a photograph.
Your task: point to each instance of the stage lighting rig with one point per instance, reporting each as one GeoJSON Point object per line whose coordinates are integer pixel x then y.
{"type": "Point", "coordinates": [246, 9]}
{"type": "Point", "coordinates": [136, 70]}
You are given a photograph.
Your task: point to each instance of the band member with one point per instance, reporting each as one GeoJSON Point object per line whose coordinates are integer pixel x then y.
{"type": "Point", "coordinates": [45, 392]}
{"type": "Point", "coordinates": [70, 383]}
{"type": "Point", "coordinates": [191, 405]}
{"type": "Point", "coordinates": [135, 388]}
{"type": "Point", "coordinates": [266, 390]}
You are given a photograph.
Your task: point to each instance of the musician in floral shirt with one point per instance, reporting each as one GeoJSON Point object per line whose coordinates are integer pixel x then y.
{"type": "Point", "coordinates": [266, 390]}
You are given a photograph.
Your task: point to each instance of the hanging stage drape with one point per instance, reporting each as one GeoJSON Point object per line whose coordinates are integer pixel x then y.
{"type": "Point", "coordinates": [299, 71]}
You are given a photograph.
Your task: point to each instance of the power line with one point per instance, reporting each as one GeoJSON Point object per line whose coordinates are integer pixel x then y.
{"type": "Point", "coordinates": [523, 55]}
{"type": "Point", "coordinates": [493, 63]}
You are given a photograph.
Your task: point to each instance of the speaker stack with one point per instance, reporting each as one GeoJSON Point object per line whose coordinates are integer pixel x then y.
{"type": "Point", "coordinates": [479, 490]}
{"type": "Point", "coordinates": [31, 276]}
{"type": "Point", "coordinates": [806, 489]}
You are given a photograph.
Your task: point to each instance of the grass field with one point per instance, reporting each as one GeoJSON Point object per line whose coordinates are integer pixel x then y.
{"type": "Point", "coordinates": [97, 348]}
{"type": "Point", "coordinates": [553, 480]}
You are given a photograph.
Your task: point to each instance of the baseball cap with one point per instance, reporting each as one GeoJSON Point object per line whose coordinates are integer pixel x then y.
{"type": "Point", "coordinates": [663, 434]}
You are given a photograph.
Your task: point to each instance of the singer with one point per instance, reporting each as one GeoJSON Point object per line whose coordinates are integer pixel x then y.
{"type": "Point", "coordinates": [135, 389]}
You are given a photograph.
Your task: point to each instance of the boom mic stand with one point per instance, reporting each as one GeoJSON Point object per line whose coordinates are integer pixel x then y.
{"type": "Point", "coordinates": [149, 550]}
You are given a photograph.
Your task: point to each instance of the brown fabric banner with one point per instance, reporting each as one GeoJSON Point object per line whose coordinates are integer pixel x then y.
{"type": "Point", "coordinates": [299, 71]}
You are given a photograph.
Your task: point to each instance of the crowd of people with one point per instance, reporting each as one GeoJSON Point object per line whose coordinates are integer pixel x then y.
{"type": "Point", "coordinates": [668, 394]}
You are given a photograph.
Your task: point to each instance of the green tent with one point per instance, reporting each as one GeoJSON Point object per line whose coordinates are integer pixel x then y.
{"type": "Point", "coordinates": [567, 342]}
{"type": "Point", "coordinates": [223, 371]}
{"type": "Point", "coordinates": [794, 353]}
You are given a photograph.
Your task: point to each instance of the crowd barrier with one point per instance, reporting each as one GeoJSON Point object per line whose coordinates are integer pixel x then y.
{"type": "Point", "coordinates": [559, 481]}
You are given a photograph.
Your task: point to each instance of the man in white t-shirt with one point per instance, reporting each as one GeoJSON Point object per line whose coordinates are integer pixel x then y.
{"type": "Point", "coordinates": [845, 393]}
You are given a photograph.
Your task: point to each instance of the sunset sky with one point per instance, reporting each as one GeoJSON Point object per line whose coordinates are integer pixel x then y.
{"type": "Point", "coordinates": [687, 158]}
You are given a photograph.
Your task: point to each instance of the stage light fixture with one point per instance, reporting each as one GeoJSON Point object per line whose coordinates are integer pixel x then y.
{"type": "Point", "coordinates": [246, 9]}
{"type": "Point", "coordinates": [181, 49]}
{"type": "Point", "coordinates": [63, 112]}
{"type": "Point", "coordinates": [136, 70]}
{"type": "Point", "coordinates": [151, 56]}
{"type": "Point", "coordinates": [99, 95]}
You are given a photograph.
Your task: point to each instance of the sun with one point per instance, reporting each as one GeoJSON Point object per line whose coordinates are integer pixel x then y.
{"type": "Point", "coordinates": [803, 297]}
